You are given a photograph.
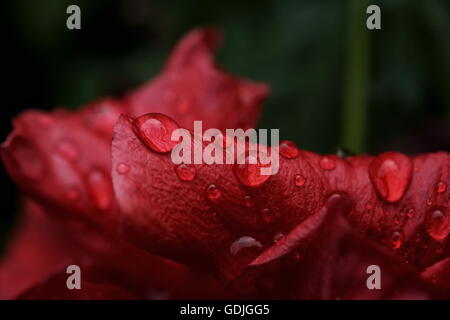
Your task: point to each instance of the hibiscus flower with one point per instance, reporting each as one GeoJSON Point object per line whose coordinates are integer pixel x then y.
{"type": "Point", "coordinates": [102, 193]}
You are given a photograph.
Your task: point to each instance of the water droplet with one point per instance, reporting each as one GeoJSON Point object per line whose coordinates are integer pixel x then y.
{"type": "Point", "coordinates": [68, 150]}
{"type": "Point", "coordinates": [122, 168]}
{"type": "Point", "coordinates": [244, 242]}
{"type": "Point", "coordinates": [441, 187]}
{"type": "Point", "coordinates": [299, 180]}
{"type": "Point", "coordinates": [369, 206]}
{"type": "Point", "coordinates": [278, 238]}
{"type": "Point", "coordinates": [288, 150]}
{"type": "Point", "coordinates": [268, 215]}
{"type": "Point", "coordinates": [390, 174]}
{"type": "Point", "coordinates": [248, 201]}
{"type": "Point", "coordinates": [327, 163]}
{"type": "Point", "coordinates": [213, 193]}
{"type": "Point", "coordinates": [437, 224]}
{"type": "Point", "coordinates": [410, 213]}
{"type": "Point", "coordinates": [249, 174]}
{"type": "Point", "coordinates": [429, 202]}
{"type": "Point", "coordinates": [155, 131]}
{"type": "Point", "coordinates": [100, 189]}
{"type": "Point", "coordinates": [185, 172]}
{"type": "Point", "coordinates": [396, 240]}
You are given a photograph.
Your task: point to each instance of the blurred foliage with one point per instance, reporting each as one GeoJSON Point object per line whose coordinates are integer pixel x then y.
{"type": "Point", "coordinates": [299, 47]}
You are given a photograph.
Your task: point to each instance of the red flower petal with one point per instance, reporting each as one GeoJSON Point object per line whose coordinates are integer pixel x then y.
{"type": "Point", "coordinates": [64, 162]}
{"type": "Point", "coordinates": [181, 220]}
{"type": "Point", "coordinates": [192, 87]}
{"type": "Point", "coordinates": [35, 266]}
{"type": "Point", "coordinates": [71, 151]}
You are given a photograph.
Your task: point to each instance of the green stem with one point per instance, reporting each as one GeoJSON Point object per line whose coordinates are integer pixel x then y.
{"type": "Point", "coordinates": [354, 117]}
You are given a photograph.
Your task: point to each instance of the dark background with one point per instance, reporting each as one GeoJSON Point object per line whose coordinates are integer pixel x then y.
{"type": "Point", "coordinates": [334, 83]}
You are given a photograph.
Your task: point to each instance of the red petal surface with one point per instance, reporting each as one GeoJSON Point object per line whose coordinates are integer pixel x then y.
{"type": "Point", "coordinates": [191, 87]}
{"type": "Point", "coordinates": [177, 218]}
{"type": "Point", "coordinates": [63, 159]}
{"type": "Point", "coordinates": [35, 265]}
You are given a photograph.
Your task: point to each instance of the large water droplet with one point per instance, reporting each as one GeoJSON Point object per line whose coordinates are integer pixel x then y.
{"type": "Point", "coordinates": [327, 163]}
{"type": "Point", "coordinates": [437, 224]}
{"type": "Point", "coordinates": [244, 242]}
{"type": "Point", "coordinates": [299, 180]}
{"type": "Point", "coordinates": [441, 187]}
{"type": "Point", "coordinates": [249, 174]}
{"type": "Point", "coordinates": [288, 150]}
{"type": "Point", "coordinates": [100, 189]}
{"type": "Point", "coordinates": [390, 174]}
{"type": "Point", "coordinates": [396, 240]}
{"type": "Point", "coordinates": [185, 172]}
{"type": "Point", "coordinates": [155, 131]}
{"type": "Point", "coordinates": [122, 168]}
{"type": "Point", "coordinates": [213, 193]}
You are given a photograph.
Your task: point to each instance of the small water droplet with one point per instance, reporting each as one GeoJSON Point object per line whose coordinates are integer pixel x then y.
{"type": "Point", "coordinates": [396, 240]}
{"type": "Point", "coordinates": [278, 238]}
{"type": "Point", "coordinates": [248, 201]}
{"type": "Point", "coordinates": [122, 168]}
{"type": "Point", "coordinates": [369, 206]}
{"type": "Point", "coordinates": [326, 163]}
{"type": "Point", "coordinates": [267, 215]}
{"type": "Point", "coordinates": [288, 149]}
{"type": "Point", "coordinates": [249, 174]}
{"type": "Point", "coordinates": [429, 202]}
{"type": "Point", "coordinates": [390, 174]}
{"type": "Point", "coordinates": [155, 131]}
{"type": "Point", "coordinates": [441, 187]}
{"type": "Point", "coordinates": [244, 242]}
{"type": "Point", "coordinates": [213, 193]}
{"type": "Point", "coordinates": [299, 180]}
{"type": "Point", "coordinates": [410, 213]}
{"type": "Point", "coordinates": [100, 189]}
{"type": "Point", "coordinates": [185, 172]}
{"type": "Point", "coordinates": [437, 224]}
